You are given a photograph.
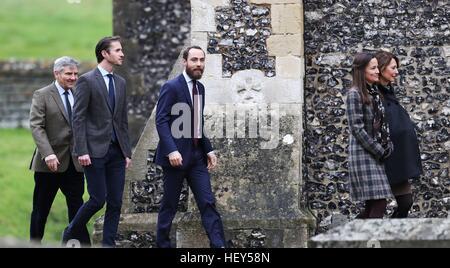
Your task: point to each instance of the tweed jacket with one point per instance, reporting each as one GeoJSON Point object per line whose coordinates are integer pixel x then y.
{"type": "Point", "coordinates": [51, 130]}
{"type": "Point", "coordinates": [368, 180]}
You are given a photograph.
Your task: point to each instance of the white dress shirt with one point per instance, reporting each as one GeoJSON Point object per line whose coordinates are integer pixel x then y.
{"type": "Point", "coordinates": [63, 98]}
{"type": "Point", "coordinates": [105, 77]}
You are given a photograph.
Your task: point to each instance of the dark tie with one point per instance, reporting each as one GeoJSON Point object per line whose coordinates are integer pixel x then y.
{"type": "Point", "coordinates": [111, 96]}
{"type": "Point", "coordinates": [195, 121]}
{"type": "Point", "coordinates": [112, 102]}
{"type": "Point", "coordinates": [68, 107]}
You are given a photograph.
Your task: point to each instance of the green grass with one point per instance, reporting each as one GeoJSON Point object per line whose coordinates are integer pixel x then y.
{"type": "Point", "coordinates": [16, 190]}
{"type": "Point", "coordinates": [43, 29]}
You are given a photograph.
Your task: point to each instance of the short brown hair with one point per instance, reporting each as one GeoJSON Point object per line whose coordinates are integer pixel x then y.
{"type": "Point", "coordinates": [186, 51]}
{"type": "Point", "coordinates": [104, 44]}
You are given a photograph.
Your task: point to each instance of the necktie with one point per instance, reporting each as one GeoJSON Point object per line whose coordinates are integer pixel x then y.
{"type": "Point", "coordinates": [68, 107]}
{"type": "Point", "coordinates": [112, 102]}
{"type": "Point", "coordinates": [111, 95]}
{"type": "Point", "coordinates": [196, 113]}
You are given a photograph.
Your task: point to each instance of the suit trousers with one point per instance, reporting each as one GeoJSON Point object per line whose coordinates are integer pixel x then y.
{"type": "Point", "coordinates": [105, 182]}
{"type": "Point", "coordinates": [198, 180]}
{"type": "Point", "coordinates": [47, 184]}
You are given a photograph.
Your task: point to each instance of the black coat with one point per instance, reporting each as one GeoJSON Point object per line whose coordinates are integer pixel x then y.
{"type": "Point", "coordinates": [404, 163]}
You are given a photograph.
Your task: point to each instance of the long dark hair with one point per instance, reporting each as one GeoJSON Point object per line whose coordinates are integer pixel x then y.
{"type": "Point", "coordinates": [359, 82]}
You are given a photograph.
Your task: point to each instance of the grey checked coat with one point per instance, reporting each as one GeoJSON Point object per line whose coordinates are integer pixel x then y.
{"type": "Point", "coordinates": [368, 180]}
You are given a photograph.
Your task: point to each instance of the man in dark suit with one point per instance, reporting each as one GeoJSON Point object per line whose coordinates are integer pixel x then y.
{"type": "Point", "coordinates": [102, 144]}
{"type": "Point", "coordinates": [183, 151]}
{"type": "Point", "coordinates": [52, 162]}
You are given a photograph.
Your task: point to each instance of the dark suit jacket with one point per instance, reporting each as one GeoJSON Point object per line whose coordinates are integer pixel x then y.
{"type": "Point", "coordinates": [172, 92]}
{"type": "Point", "coordinates": [51, 130]}
{"type": "Point", "coordinates": [93, 119]}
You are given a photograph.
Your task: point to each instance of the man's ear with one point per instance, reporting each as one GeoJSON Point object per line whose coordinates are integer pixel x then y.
{"type": "Point", "coordinates": [104, 53]}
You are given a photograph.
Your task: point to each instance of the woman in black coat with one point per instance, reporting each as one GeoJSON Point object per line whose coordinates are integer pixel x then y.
{"type": "Point", "coordinates": [404, 163]}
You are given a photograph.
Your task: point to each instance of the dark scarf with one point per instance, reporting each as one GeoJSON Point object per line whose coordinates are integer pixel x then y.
{"type": "Point", "coordinates": [380, 124]}
{"type": "Point", "coordinates": [387, 90]}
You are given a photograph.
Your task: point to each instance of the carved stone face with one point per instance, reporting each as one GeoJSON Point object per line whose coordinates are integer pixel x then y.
{"type": "Point", "coordinates": [248, 86]}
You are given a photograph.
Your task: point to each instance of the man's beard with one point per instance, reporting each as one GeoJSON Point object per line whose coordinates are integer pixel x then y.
{"type": "Point", "coordinates": [194, 75]}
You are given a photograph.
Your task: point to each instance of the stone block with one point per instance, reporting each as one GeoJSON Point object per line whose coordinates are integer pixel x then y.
{"type": "Point", "coordinates": [213, 66]}
{"type": "Point", "coordinates": [199, 39]}
{"type": "Point", "coordinates": [12, 242]}
{"type": "Point", "coordinates": [387, 233]}
{"type": "Point", "coordinates": [290, 67]}
{"type": "Point", "coordinates": [284, 45]}
{"type": "Point", "coordinates": [248, 233]}
{"type": "Point", "coordinates": [447, 51]}
{"type": "Point", "coordinates": [287, 19]}
{"type": "Point", "coordinates": [218, 3]}
{"type": "Point", "coordinates": [202, 16]}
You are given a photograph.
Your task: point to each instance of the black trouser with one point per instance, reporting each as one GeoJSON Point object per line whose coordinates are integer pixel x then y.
{"type": "Point", "coordinates": [46, 186]}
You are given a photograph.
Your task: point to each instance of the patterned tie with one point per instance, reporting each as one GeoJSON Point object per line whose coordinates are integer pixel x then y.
{"type": "Point", "coordinates": [112, 102]}
{"type": "Point", "coordinates": [68, 107]}
{"type": "Point", "coordinates": [195, 101]}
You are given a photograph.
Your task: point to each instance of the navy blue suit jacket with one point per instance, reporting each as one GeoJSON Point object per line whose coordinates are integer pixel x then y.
{"type": "Point", "coordinates": [173, 92]}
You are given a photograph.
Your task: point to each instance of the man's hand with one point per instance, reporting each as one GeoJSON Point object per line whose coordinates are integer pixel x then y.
{"type": "Point", "coordinates": [52, 162]}
{"type": "Point", "coordinates": [84, 160]}
{"type": "Point", "coordinates": [212, 161]}
{"type": "Point", "coordinates": [127, 162]}
{"type": "Point", "coordinates": [175, 159]}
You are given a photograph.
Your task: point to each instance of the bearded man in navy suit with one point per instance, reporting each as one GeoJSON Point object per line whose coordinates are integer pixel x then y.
{"type": "Point", "coordinates": [183, 151]}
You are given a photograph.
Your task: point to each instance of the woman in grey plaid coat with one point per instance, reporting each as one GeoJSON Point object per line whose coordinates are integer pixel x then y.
{"type": "Point", "coordinates": [369, 139]}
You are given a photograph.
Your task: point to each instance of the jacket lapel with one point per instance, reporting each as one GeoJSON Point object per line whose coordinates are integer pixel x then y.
{"type": "Point", "coordinates": [59, 103]}
{"type": "Point", "coordinates": [185, 88]}
{"type": "Point", "coordinates": [102, 86]}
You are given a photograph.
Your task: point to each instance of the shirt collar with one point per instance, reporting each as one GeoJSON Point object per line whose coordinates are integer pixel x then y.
{"type": "Point", "coordinates": [60, 89]}
{"type": "Point", "coordinates": [187, 77]}
{"type": "Point", "coordinates": [103, 71]}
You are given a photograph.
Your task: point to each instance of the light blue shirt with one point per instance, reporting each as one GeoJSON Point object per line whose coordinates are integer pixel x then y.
{"type": "Point", "coordinates": [105, 77]}
{"type": "Point", "coordinates": [63, 97]}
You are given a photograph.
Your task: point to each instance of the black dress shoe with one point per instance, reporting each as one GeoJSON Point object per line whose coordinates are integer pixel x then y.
{"type": "Point", "coordinates": [66, 236]}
